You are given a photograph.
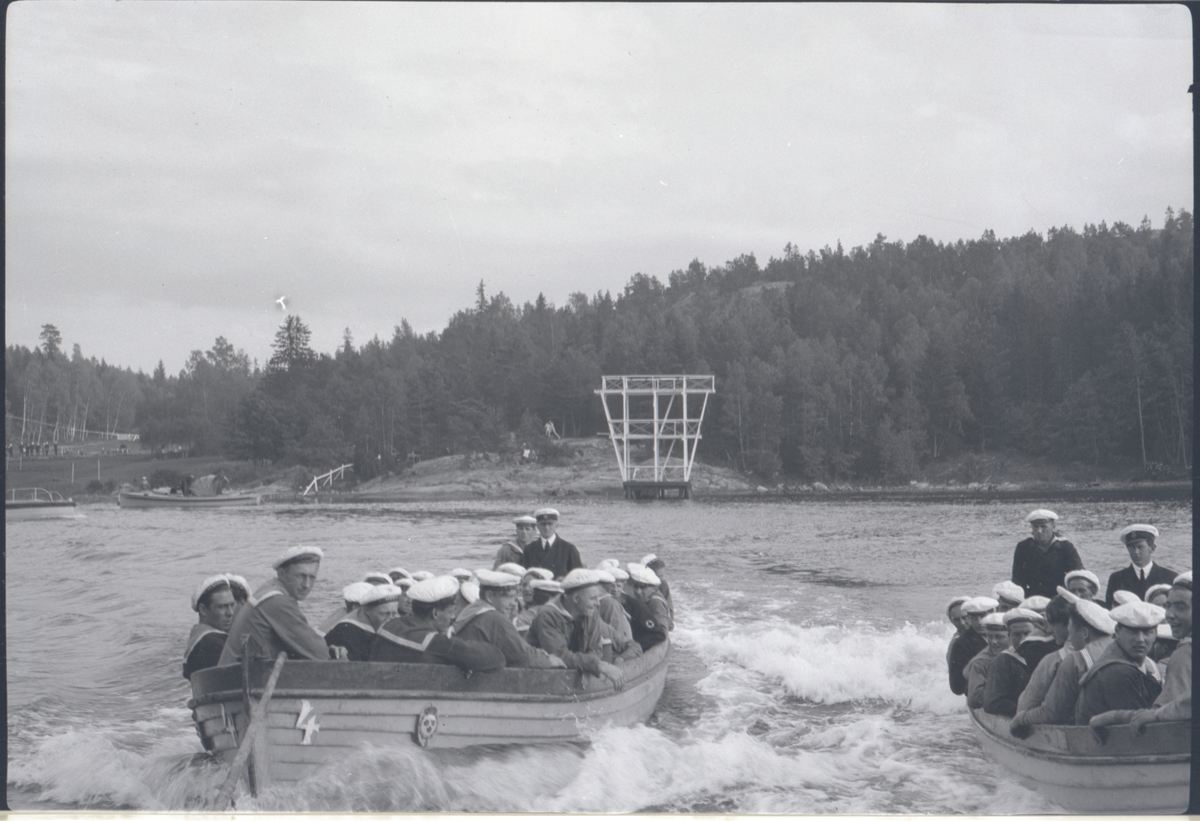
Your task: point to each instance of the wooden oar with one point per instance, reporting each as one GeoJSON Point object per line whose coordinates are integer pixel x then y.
{"type": "Point", "coordinates": [258, 713]}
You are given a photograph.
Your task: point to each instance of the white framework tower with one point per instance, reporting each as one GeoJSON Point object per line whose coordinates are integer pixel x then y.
{"type": "Point", "coordinates": [656, 410]}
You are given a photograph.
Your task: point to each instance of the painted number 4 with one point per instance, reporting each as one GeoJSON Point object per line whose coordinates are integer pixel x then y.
{"type": "Point", "coordinates": [307, 722]}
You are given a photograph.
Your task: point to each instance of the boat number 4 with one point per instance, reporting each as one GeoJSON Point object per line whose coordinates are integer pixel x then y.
{"type": "Point", "coordinates": [427, 725]}
{"type": "Point", "coordinates": [307, 722]}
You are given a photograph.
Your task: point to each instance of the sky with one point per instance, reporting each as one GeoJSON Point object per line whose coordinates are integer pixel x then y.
{"type": "Point", "coordinates": [174, 169]}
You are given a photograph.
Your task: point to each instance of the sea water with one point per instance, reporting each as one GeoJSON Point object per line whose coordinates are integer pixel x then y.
{"type": "Point", "coordinates": [807, 669]}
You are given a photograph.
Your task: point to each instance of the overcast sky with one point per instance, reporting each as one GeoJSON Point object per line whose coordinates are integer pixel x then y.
{"type": "Point", "coordinates": [174, 168]}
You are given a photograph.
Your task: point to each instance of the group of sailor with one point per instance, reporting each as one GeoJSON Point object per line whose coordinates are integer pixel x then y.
{"type": "Point", "coordinates": [538, 606]}
{"type": "Point", "coordinates": [1066, 657]}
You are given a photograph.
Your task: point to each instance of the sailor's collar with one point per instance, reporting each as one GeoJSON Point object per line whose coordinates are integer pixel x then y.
{"type": "Point", "coordinates": [199, 631]}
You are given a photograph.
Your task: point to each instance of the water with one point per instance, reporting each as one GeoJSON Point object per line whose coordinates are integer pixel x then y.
{"type": "Point", "coordinates": [807, 674]}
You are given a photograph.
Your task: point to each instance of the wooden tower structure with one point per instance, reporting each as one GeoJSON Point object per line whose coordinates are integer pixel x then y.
{"type": "Point", "coordinates": [658, 412]}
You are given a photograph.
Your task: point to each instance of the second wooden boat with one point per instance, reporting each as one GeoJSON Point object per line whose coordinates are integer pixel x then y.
{"type": "Point", "coordinates": [151, 499]}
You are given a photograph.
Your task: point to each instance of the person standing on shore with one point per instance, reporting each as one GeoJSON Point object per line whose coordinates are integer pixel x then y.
{"type": "Point", "coordinates": [1041, 562]}
{"type": "Point", "coordinates": [557, 555]}
{"type": "Point", "coordinates": [514, 550]}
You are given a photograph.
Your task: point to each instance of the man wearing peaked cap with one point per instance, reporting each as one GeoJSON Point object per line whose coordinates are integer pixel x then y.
{"type": "Point", "coordinates": [549, 551]}
{"type": "Point", "coordinates": [569, 628]}
{"type": "Point", "coordinates": [995, 632]}
{"type": "Point", "coordinates": [1123, 677]}
{"type": "Point", "coordinates": [488, 620]}
{"type": "Point", "coordinates": [513, 551]}
{"type": "Point", "coordinates": [214, 603]}
{"type": "Point", "coordinates": [1042, 561]}
{"type": "Point", "coordinates": [1090, 634]}
{"type": "Point", "coordinates": [272, 620]}
{"type": "Point", "coordinates": [419, 638]}
{"type": "Point", "coordinates": [648, 615]}
{"type": "Point", "coordinates": [356, 630]}
{"type": "Point", "coordinates": [1009, 671]}
{"type": "Point", "coordinates": [1142, 572]}
{"type": "Point", "coordinates": [1083, 583]}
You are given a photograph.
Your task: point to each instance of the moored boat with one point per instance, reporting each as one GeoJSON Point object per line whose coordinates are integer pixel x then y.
{"type": "Point", "coordinates": [153, 498]}
{"type": "Point", "coordinates": [320, 711]}
{"type": "Point", "coordinates": [22, 504]}
{"type": "Point", "coordinates": [1127, 774]}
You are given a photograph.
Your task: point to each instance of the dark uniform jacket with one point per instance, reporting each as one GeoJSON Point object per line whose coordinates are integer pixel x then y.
{"type": "Point", "coordinates": [963, 648]}
{"type": "Point", "coordinates": [275, 621]}
{"type": "Point", "coordinates": [414, 641]}
{"type": "Point", "coordinates": [355, 634]}
{"type": "Point", "coordinates": [1040, 574]}
{"type": "Point", "coordinates": [560, 558]}
{"type": "Point", "coordinates": [1036, 648]}
{"type": "Point", "coordinates": [203, 649]}
{"type": "Point", "coordinates": [647, 629]}
{"type": "Point", "coordinates": [482, 622]}
{"type": "Point", "coordinates": [1126, 579]}
{"type": "Point", "coordinates": [1115, 682]}
{"type": "Point", "coordinates": [1006, 678]}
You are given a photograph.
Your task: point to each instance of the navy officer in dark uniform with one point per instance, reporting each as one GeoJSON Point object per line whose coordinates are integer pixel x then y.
{"type": "Point", "coordinates": [549, 551]}
{"type": "Point", "coordinates": [1142, 573]}
{"type": "Point", "coordinates": [1041, 562]}
{"type": "Point", "coordinates": [214, 602]}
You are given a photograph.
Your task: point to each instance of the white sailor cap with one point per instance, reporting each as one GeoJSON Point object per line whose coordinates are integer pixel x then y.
{"type": "Point", "coordinates": [461, 573]}
{"type": "Point", "coordinates": [422, 575]}
{"type": "Point", "coordinates": [469, 591]}
{"type": "Point", "coordinates": [640, 574]}
{"type": "Point", "coordinates": [494, 579]}
{"type": "Point", "coordinates": [645, 560]}
{"type": "Point", "coordinates": [1096, 616]}
{"type": "Point", "coordinates": [382, 593]}
{"type": "Point", "coordinates": [399, 573]}
{"type": "Point", "coordinates": [1042, 515]}
{"type": "Point", "coordinates": [541, 572]}
{"type": "Point", "coordinates": [1019, 614]}
{"type": "Point", "coordinates": [1184, 579]}
{"type": "Point", "coordinates": [306, 553]}
{"type": "Point", "coordinates": [208, 584]}
{"type": "Point", "coordinates": [514, 569]}
{"type": "Point", "coordinates": [1009, 592]}
{"type": "Point", "coordinates": [354, 592]}
{"type": "Point", "coordinates": [607, 563]}
{"type": "Point", "coordinates": [580, 577]}
{"type": "Point", "coordinates": [1082, 574]}
{"type": "Point", "coordinates": [1128, 532]}
{"type": "Point", "coordinates": [1068, 595]}
{"type": "Point", "coordinates": [1124, 597]}
{"type": "Point", "coordinates": [1155, 588]}
{"type": "Point", "coordinates": [606, 576]}
{"type": "Point", "coordinates": [524, 520]}
{"type": "Point", "coordinates": [955, 602]}
{"type": "Point", "coordinates": [239, 584]}
{"type": "Point", "coordinates": [405, 583]}
{"type": "Point", "coordinates": [546, 514]}
{"type": "Point", "coordinates": [994, 621]}
{"type": "Point", "coordinates": [1139, 615]}
{"type": "Point", "coordinates": [435, 589]}
{"type": "Point", "coordinates": [546, 584]}
{"type": "Point", "coordinates": [375, 577]}
{"type": "Point", "coordinates": [979, 604]}
{"type": "Point", "coordinates": [617, 573]}
{"type": "Point", "coordinates": [1035, 603]}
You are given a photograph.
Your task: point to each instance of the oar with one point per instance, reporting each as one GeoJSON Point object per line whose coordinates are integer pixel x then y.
{"type": "Point", "coordinates": [257, 713]}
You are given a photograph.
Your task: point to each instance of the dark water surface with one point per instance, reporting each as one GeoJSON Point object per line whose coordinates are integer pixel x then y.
{"type": "Point", "coordinates": [807, 674]}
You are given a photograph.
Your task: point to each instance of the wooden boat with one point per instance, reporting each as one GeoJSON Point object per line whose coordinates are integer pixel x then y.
{"type": "Point", "coordinates": [22, 504]}
{"type": "Point", "coordinates": [153, 498]}
{"type": "Point", "coordinates": [322, 710]}
{"type": "Point", "coordinates": [1127, 774]}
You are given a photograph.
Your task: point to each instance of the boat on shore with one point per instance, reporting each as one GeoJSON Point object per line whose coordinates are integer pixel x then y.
{"type": "Point", "coordinates": [28, 503]}
{"type": "Point", "coordinates": [320, 711]}
{"type": "Point", "coordinates": [1127, 774]}
{"type": "Point", "coordinates": [154, 498]}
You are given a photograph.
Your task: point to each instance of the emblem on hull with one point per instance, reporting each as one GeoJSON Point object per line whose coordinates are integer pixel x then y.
{"type": "Point", "coordinates": [427, 725]}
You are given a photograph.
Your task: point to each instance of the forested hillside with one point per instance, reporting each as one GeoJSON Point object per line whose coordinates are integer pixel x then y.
{"type": "Point", "coordinates": [830, 365]}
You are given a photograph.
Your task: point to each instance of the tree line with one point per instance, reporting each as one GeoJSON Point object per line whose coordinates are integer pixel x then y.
{"type": "Point", "coordinates": [829, 365]}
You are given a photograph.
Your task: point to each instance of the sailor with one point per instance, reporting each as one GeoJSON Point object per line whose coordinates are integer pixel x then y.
{"type": "Point", "coordinates": [569, 628]}
{"type": "Point", "coordinates": [486, 620]}
{"type": "Point", "coordinates": [995, 632]}
{"type": "Point", "coordinates": [420, 638]}
{"type": "Point", "coordinates": [351, 600]}
{"type": "Point", "coordinates": [1009, 671]}
{"type": "Point", "coordinates": [404, 604]}
{"type": "Point", "coordinates": [1041, 561]}
{"type": "Point", "coordinates": [961, 628]}
{"type": "Point", "coordinates": [272, 616]}
{"type": "Point", "coordinates": [397, 573]}
{"type": "Point", "coordinates": [356, 630]}
{"type": "Point", "coordinates": [1008, 594]}
{"type": "Point", "coordinates": [239, 587]}
{"type": "Point", "coordinates": [966, 645]}
{"type": "Point", "coordinates": [1091, 630]}
{"type": "Point", "coordinates": [377, 577]}
{"type": "Point", "coordinates": [513, 551]}
{"type": "Point", "coordinates": [647, 620]}
{"type": "Point", "coordinates": [609, 607]}
{"type": "Point", "coordinates": [213, 602]}
{"type": "Point", "coordinates": [1041, 642]}
{"type": "Point", "coordinates": [1165, 641]}
{"type": "Point", "coordinates": [543, 590]}
{"type": "Point", "coordinates": [656, 564]}
{"type": "Point", "coordinates": [1123, 678]}
{"type": "Point", "coordinates": [1142, 572]}
{"type": "Point", "coordinates": [525, 589]}
{"type": "Point", "coordinates": [1174, 703]}
{"type": "Point", "coordinates": [549, 551]}
{"type": "Point", "coordinates": [1045, 665]}
{"type": "Point", "coordinates": [1083, 583]}
{"type": "Point", "coordinates": [1157, 594]}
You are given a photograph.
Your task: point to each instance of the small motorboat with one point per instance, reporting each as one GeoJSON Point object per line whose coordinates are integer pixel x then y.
{"type": "Point", "coordinates": [22, 504]}
{"type": "Point", "coordinates": [155, 498]}
{"type": "Point", "coordinates": [1125, 774]}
